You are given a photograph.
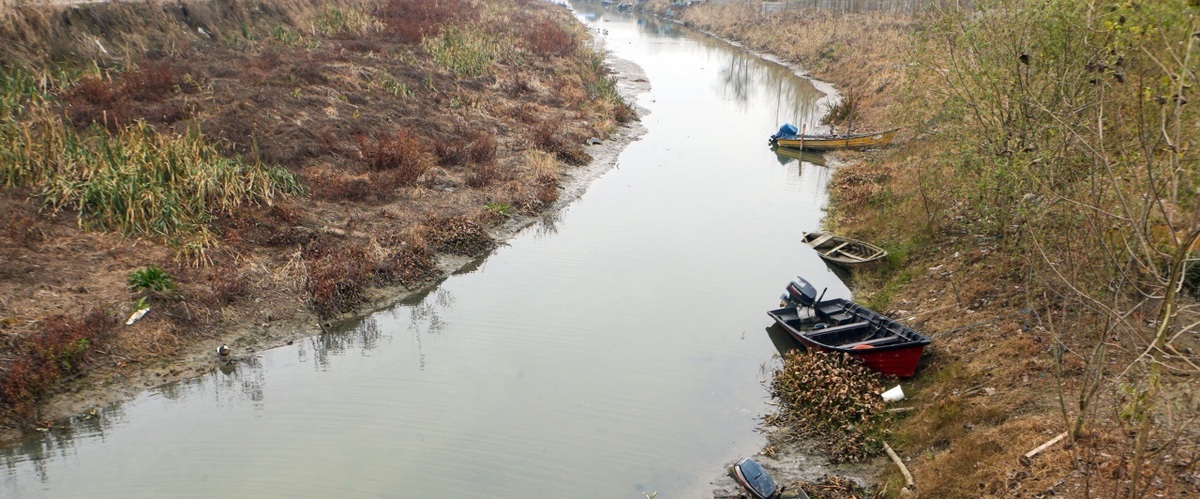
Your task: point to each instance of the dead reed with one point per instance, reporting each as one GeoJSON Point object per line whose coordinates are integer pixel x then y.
{"type": "Point", "coordinates": [400, 152]}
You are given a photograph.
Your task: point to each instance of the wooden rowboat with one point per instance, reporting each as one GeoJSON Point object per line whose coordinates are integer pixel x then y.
{"type": "Point", "coordinates": [835, 142]}
{"type": "Point", "coordinates": [843, 250]}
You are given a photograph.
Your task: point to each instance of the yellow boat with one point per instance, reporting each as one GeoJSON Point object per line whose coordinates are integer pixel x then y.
{"type": "Point", "coordinates": [834, 142]}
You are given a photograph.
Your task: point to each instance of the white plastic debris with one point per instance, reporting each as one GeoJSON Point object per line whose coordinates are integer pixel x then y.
{"type": "Point", "coordinates": [136, 315]}
{"type": "Point", "coordinates": [894, 394]}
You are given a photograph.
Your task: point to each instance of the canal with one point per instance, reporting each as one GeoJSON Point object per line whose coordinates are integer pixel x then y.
{"type": "Point", "coordinates": [616, 349]}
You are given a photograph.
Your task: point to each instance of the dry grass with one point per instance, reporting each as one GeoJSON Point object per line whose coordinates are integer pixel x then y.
{"type": "Point", "coordinates": [399, 152]}
{"type": "Point", "coordinates": [543, 165]}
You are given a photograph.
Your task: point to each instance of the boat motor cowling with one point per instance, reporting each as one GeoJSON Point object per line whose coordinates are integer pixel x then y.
{"type": "Point", "coordinates": [799, 293]}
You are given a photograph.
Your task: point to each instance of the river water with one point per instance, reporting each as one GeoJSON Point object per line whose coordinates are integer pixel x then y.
{"type": "Point", "coordinates": [616, 349]}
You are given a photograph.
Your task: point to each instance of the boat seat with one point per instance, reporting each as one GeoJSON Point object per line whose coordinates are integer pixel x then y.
{"type": "Point", "coordinates": [872, 341]}
{"type": "Point", "coordinates": [843, 327]}
{"type": "Point", "coordinates": [821, 240]}
{"type": "Point", "coordinates": [831, 309]}
{"type": "Point", "coordinates": [840, 317]}
{"type": "Point", "coordinates": [836, 249]}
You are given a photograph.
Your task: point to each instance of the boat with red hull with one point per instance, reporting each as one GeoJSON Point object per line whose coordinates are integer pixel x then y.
{"type": "Point", "coordinates": [840, 325]}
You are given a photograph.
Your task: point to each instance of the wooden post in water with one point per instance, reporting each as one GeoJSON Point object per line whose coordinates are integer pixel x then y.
{"type": "Point", "coordinates": [803, 128]}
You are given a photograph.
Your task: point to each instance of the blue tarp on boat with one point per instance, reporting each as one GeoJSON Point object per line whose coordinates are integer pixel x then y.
{"type": "Point", "coordinates": [786, 131]}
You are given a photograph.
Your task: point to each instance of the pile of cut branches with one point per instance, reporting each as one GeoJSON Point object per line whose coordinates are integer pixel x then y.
{"type": "Point", "coordinates": [833, 399]}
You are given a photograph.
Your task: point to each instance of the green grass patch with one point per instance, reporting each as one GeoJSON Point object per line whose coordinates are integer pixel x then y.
{"type": "Point", "coordinates": [151, 278]}
{"type": "Point", "coordinates": [882, 298]}
{"type": "Point", "coordinates": [285, 36]}
{"type": "Point", "coordinates": [395, 87]}
{"type": "Point", "coordinates": [465, 52]}
{"type": "Point", "coordinates": [503, 209]}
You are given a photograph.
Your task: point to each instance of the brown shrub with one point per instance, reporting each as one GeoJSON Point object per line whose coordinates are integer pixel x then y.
{"type": "Point", "coordinates": [400, 152]}
{"type": "Point", "coordinates": [413, 20]}
{"type": "Point", "coordinates": [94, 100]}
{"type": "Point", "coordinates": [547, 193]}
{"type": "Point", "coordinates": [338, 271]}
{"type": "Point", "coordinates": [25, 380]}
{"type": "Point", "coordinates": [479, 149]}
{"type": "Point", "coordinates": [547, 38]}
{"type": "Point", "coordinates": [59, 349]}
{"type": "Point", "coordinates": [383, 185]}
{"type": "Point", "coordinates": [135, 94]}
{"type": "Point", "coordinates": [149, 82]}
{"type": "Point", "coordinates": [450, 152]}
{"type": "Point", "coordinates": [94, 90]}
{"type": "Point", "coordinates": [624, 113]}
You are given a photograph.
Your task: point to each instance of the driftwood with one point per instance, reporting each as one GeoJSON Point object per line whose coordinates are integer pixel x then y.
{"type": "Point", "coordinates": [1027, 459]}
{"type": "Point", "coordinates": [909, 485]}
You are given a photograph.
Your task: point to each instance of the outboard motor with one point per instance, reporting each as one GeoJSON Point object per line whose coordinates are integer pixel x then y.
{"type": "Point", "coordinates": [800, 293]}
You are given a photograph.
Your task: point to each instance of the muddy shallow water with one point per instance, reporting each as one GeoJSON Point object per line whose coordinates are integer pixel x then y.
{"type": "Point", "coordinates": [614, 349]}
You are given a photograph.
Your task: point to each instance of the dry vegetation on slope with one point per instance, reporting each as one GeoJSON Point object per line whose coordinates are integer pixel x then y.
{"type": "Point", "coordinates": [1043, 221]}
{"type": "Point", "coordinates": [281, 161]}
